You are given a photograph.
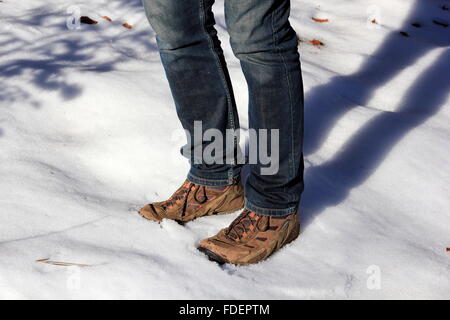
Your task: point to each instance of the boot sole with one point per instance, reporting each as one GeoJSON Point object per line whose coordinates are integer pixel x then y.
{"type": "Point", "coordinates": [212, 256]}
{"type": "Point", "coordinates": [206, 214]}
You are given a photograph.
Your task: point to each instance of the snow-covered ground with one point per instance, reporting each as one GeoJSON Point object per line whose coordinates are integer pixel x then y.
{"type": "Point", "coordinates": [88, 134]}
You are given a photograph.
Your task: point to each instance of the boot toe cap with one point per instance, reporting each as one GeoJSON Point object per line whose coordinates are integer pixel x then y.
{"type": "Point", "coordinates": [151, 213]}
{"type": "Point", "coordinates": [223, 251]}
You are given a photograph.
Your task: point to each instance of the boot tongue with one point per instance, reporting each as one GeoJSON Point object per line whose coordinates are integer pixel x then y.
{"type": "Point", "coordinates": [180, 194]}
{"type": "Point", "coordinates": [242, 224]}
{"type": "Point", "coordinates": [199, 194]}
{"type": "Point", "coordinates": [263, 223]}
{"type": "Point", "coordinates": [203, 193]}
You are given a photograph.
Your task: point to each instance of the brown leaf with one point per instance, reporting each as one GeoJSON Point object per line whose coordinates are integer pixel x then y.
{"type": "Point", "coordinates": [405, 34]}
{"type": "Point", "coordinates": [62, 264]}
{"type": "Point", "coordinates": [320, 20]}
{"type": "Point", "coordinates": [107, 18]}
{"type": "Point", "coordinates": [126, 25]}
{"type": "Point", "coordinates": [441, 23]}
{"type": "Point", "coordinates": [87, 20]}
{"type": "Point", "coordinates": [316, 43]}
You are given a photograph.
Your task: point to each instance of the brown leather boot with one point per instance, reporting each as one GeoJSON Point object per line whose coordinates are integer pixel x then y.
{"type": "Point", "coordinates": [191, 201]}
{"type": "Point", "coordinates": [251, 238]}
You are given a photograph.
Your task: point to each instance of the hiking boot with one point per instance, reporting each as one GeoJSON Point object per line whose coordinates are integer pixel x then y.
{"type": "Point", "coordinates": [251, 238]}
{"type": "Point", "coordinates": [191, 201]}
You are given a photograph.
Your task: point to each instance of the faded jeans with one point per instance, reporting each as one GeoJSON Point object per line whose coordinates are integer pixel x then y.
{"type": "Point", "coordinates": [266, 45]}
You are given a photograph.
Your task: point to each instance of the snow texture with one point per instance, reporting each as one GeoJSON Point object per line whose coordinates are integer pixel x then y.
{"type": "Point", "coordinates": [88, 134]}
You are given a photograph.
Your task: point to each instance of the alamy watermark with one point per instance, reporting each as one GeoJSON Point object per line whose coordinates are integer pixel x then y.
{"type": "Point", "coordinates": [213, 146]}
{"type": "Point", "coordinates": [374, 279]}
{"type": "Point", "coordinates": [73, 20]}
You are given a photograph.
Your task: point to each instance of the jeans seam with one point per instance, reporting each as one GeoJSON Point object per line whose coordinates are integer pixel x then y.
{"type": "Point", "coordinates": [221, 73]}
{"type": "Point", "coordinates": [269, 211]}
{"type": "Point", "coordinates": [234, 179]}
{"type": "Point", "coordinates": [277, 47]}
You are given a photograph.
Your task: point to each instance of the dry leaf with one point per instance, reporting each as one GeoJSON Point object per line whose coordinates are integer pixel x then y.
{"type": "Point", "coordinates": [62, 264]}
{"type": "Point", "coordinates": [316, 42]}
{"type": "Point", "coordinates": [405, 34]}
{"type": "Point", "coordinates": [87, 20]}
{"type": "Point", "coordinates": [320, 20]}
{"type": "Point", "coordinates": [107, 18]}
{"type": "Point", "coordinates": [126, 25]}
{"type": "Point", "coordinates": [441, 23]}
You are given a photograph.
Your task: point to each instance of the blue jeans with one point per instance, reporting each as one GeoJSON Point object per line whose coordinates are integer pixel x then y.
{"type": "Point", "coordinates": [266, 45]}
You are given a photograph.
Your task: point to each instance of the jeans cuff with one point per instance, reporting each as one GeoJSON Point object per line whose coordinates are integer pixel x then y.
{"type": "Point", "coordinates": [213, 182]}
{"type": "Point", "coordinates": [269, 211]}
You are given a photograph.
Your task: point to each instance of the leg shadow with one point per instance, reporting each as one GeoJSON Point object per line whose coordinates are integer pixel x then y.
{"type": "Point", "coordinates": [326, 104]}
{"type": "Point", "coordinates": [360, 157]}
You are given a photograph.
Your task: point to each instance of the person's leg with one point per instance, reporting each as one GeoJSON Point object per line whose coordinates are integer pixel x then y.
{"type": "Point", "coordinates": [267, 47]}
{"type": "Point", "coordinates": [197, 74]}
{"type": "Point", "coordinates": [201, 88]}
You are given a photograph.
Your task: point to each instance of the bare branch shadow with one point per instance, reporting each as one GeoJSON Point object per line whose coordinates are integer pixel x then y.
{"type": "Point", "coordinates": [330, 183]}
{"type": "Point", "coordinates": [46, 62]}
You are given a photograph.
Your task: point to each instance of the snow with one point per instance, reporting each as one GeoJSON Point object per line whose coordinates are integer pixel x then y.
{"type": "Point", "coordinates": [88, 134]}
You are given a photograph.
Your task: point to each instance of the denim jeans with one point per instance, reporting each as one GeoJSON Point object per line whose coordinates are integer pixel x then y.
{"type": "Point", "coordinates": [266, 45]}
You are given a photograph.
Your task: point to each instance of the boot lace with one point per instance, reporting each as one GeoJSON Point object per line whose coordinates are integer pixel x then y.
{"type": "Point", "coordinates": [182, 194]}
{"type": "Point", "coordinates": [246, 222]}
